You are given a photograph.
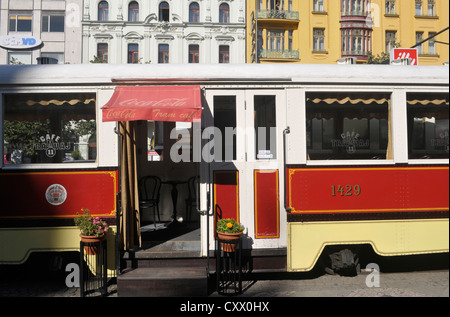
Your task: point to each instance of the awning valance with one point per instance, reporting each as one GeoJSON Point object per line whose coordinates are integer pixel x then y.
{"type": "Point", "coordinates": [154, 103]}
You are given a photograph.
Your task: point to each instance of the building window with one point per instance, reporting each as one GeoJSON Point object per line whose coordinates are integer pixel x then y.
{"type": "Point", "coordinates": [390, 40]}
{"type": "Point", "coordinates": [103, 9]}
{"type": "Point", "coordinates": [224, 54]}
{"type": "Point", "coordinates": [53, 23]}
{"type": "Point", "coordinates": [318, 40]}
{"type": "Point", "coordinates": [419, 38]}
{"type": "Point", "coordinates": [275, 40]}
{"type": "Point", "coordinates": [317, 6]}
{"type": "Point", "coordinates": [224, 13]}
{"type": "Point", "coordinates": [290, 40]}
{"type": "Point", "coordinates": [164, 12]}
{"type": "Point", "coordinates": [133, 12]}
{"type": "Point", "coordinates": [194, 54]}
{"type": "Point", "coordinates": [418, 7]}
{"type": "Point", "coordinates": [19, 58]}
{"type": "Point", "coordinates": [20, 22]}
{"type": "Point", "coordinates": [102, 52]}
{"type": "Point", "coordinates": [356, 42]}
{"type": "Point", "coordinates": [49, 128]}
{"type": "Point", "coordinates": [194, 12]}
{"type": "Point", "coordinates": [163, 53]}
{"type": "Point", "coordinates": [133, 53]}
{"type": "Point", "coordinates": [59, 57]}
{"type": "Point", "coordinates": [432, 44]}
{"type": "Point", "coordinates": [428, 128]}
{"type": "Point", "coordinates": [390, 7]}
{"type": "Point", "coordinates": [431, 8]}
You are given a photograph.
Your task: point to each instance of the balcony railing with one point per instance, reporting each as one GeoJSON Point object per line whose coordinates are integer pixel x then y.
{"type": "Point", "coordinates": [278, 14]}
{"type": "Point", "coordinates": [275, 54]}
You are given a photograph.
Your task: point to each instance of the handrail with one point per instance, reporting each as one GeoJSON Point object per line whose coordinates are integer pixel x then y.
{"type": "Point", "coordinates": [285, 132]}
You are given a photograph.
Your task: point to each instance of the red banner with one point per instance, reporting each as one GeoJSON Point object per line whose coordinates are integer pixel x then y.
{"type": "Point", "coordinates": [362, 190]}
{"type": "Point", "coordinates": [155, 103]}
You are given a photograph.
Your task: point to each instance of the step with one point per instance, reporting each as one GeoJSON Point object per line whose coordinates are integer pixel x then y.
{"type": "Point", "coordinates": [163, 282]}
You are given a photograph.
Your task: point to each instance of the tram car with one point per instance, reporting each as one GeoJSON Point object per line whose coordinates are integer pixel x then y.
{"type": "Point", "coordinates": [309, 159]}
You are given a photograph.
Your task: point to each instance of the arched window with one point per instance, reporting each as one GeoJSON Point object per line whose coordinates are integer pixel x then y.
{"type": "Point", "coordinates": [103, 8]}
{"type": "Point", "coordinates": [164, 11]}
{"type": "Point", "coordinates": [194, 12]}
{"type": "Point", "coordinates": [133, 11]}
{"type": "Point", "coordinates": [224, 13]}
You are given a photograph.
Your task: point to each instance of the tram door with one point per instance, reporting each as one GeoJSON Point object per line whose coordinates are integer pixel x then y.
{"type": "Point", "coordinates": [247, 170]}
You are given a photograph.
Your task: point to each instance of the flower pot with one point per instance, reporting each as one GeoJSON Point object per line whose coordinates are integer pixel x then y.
{"type": "Point", "coordinates": [229, 247]}
{"type": "Point", "coordinates": [91, 249]}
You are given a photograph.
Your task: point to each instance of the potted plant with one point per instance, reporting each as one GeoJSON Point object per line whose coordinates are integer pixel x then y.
{"type": "Point", "coordinates": [229, 229]}
{"type": "Point", "coordinates": [92, 229]}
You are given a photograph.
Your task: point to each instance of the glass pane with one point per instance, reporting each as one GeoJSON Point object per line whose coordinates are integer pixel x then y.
{"type": "Point", "coordinates": [265, 127]}
{"type": "Point", "coordinates": [428, 126]}
{"type": "Point", "coordinates": [225, 124]}
{"type": "Point", "coordinates": [353, 126]}
{"type": "Point", "coordinates": [49, 128]}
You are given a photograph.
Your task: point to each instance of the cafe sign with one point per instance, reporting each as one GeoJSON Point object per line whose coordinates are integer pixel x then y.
{"type": "Point", "coordinates": [19, 42]}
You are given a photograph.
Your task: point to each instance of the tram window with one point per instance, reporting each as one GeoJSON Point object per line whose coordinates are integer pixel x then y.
{"type": "Point", "coordinates": [428, 127]}
{"type": "Point", "coordinates": [265, 127]}
{"type": "Point", "coordinates": [225, 123]}
{"type": "Point", "coordinates": [49, 128]}
{"type": "Point", "coordinates": [347, 126]}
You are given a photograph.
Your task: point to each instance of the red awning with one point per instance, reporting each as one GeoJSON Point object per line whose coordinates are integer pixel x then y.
{"type": "Point", "coordinates": [154, 103]}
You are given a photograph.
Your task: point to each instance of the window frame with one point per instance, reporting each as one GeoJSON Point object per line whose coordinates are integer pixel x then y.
{"type": "Point", "coordinates": [194, 12]}
{"type": "Point", "coordinates": [133, 11]}
{"type": "Point", "coordinates": [224, 13]}
{"type": "Point", "coordinates": [50, 166]}
{"type": "Point", "coordinates": [17, 15]}
{"type": "Point", "coordinates": [103, 11]}
{"type": "Point", "coordinates": [46, 26]}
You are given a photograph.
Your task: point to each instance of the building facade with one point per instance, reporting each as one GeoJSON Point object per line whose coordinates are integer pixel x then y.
{"type": "Point", "coordinates": [46, 31]}
{"type": "Point", "coordinates": [169, 31]}
{"type": "Point", "coordinates": [324, 31]}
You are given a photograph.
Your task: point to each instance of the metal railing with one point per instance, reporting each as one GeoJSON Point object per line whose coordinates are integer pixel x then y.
{"type": "Point", "coordinates": [279, 54]}
{"type": "Point", "coordinates": [278, 14]}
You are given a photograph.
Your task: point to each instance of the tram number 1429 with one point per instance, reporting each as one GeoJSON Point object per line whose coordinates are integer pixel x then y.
{"type": "Point", "coordinates": [345, 190]}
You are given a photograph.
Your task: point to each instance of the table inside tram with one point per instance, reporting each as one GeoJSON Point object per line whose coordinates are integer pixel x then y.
{"type": "Point", "coordinates": [164, 151]}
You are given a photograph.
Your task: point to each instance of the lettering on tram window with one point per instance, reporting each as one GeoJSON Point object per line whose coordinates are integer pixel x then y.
{"type": "Point", "coordinates": [265, 127]}
{"type": "Point", "coordinates": [347, 126]}
{"type": "Point", "coordinates": [345, 190]}
{"type": "Point", "coordinates": [49, 128]}
{"type": "Point", "coordinates": [225, 125]}
{"type": "Point", "coordinates": [428, 128]}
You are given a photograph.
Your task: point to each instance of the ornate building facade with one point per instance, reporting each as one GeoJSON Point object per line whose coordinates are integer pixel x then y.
{"type": "Point", "coordinates": [169, 31]}
{"type": "Point", "coordinates": [324, 31]}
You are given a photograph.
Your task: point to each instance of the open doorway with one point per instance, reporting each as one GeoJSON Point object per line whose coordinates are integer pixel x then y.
{"type": "Point", "coordinates": [168, 189]}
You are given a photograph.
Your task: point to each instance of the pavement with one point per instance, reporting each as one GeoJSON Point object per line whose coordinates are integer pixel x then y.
{"type": "Point", "coordinates": [430, 278]}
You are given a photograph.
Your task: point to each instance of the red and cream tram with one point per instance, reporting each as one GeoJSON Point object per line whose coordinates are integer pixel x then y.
{"type": "Point", "coordinates": [306, 157]}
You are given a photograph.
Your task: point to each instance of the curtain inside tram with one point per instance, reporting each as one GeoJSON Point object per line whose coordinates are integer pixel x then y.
{"type": "Point", "coordinates": [130, 213]}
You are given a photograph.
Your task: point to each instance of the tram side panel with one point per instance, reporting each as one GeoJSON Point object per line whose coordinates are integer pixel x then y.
{"type": "Point", "coordinates": [398, 211]}
{"type": "Point", "coordinates": [38, 209]}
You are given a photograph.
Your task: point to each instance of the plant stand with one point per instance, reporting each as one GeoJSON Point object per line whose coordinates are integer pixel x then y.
{"type": "Point", "coordinates": [93, 269]}
{"type": "Point", "coordinates": [228, 266]}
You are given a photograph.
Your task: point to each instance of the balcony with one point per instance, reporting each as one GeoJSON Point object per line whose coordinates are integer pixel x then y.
{"type": "Point", "coordinates": [278, 14]}
{"type": "Point", "coordinates": [276, 54]}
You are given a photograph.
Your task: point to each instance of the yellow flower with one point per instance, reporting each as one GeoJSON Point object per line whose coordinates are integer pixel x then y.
{"type": "Point", "coordinates": [230, 225]}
